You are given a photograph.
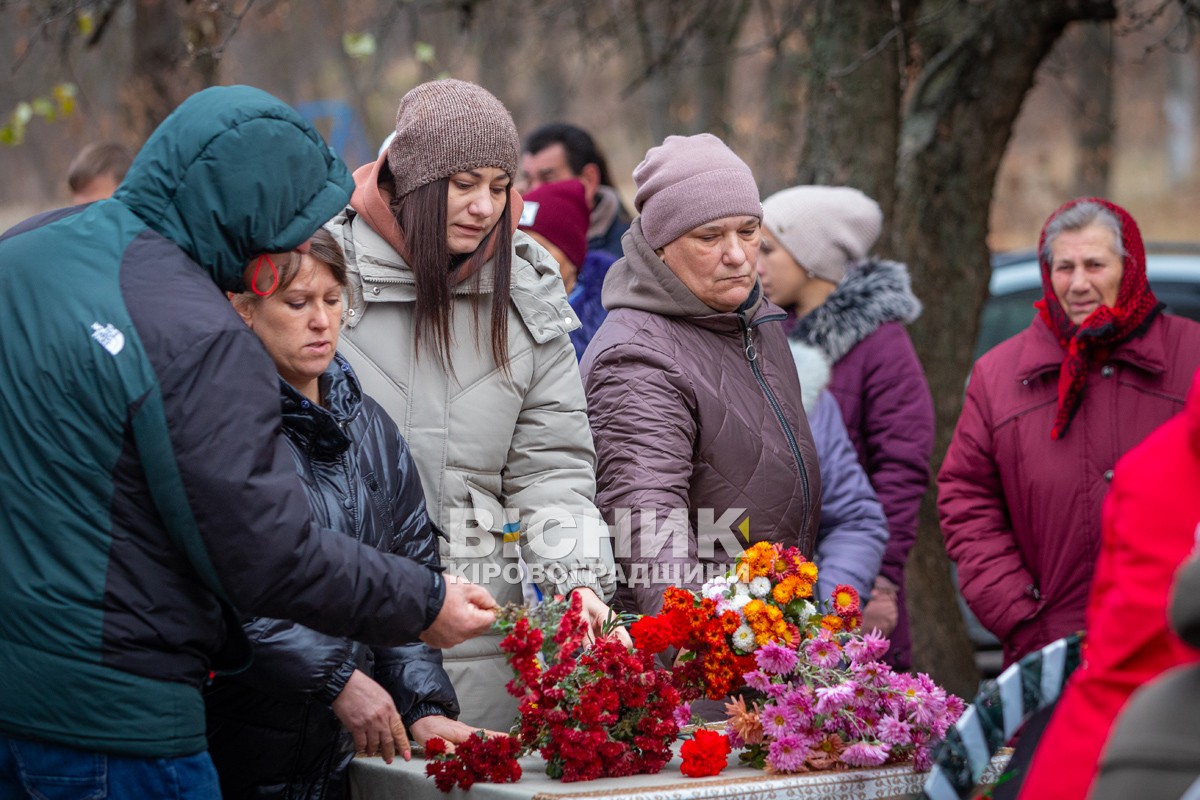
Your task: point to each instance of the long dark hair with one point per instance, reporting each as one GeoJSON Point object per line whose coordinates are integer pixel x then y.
{"type": "Point", "coordinates": [422, 216]}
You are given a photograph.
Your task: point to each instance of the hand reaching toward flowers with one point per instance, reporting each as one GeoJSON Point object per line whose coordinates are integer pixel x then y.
{"type": "Point", "coordinates": [453, 731]}
{"type": "Point", "coordinates": [467, 611]}
{"type": "Point", "coordinates": [590, 712]}
{"type": "Point", "coordinates": [596, 613]}
{"type": "Point", "coordinates": [367, 711]}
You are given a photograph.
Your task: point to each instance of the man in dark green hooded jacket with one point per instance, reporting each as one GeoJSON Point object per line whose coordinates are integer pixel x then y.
{"type": "Point", "coordinates": [145, 491]}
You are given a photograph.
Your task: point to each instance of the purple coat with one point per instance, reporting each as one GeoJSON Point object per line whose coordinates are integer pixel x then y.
{"type": "Point", "coordinates": [853, 531]}
{"type": "Point", "coordinates": [698, 420]}
{"type": "Point", "coordinates": [885, 402]}
{"type": "Point", "coordinates": [1020, 512]}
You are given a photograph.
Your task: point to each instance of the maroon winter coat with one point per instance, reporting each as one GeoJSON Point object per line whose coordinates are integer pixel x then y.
{"type": "Point", "coordinates": [1021, 513]}
{"type": "Point", "coordinates": [688, 425]}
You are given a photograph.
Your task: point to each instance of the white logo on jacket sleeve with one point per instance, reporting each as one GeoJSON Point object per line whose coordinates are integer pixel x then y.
{"type": "Point", "coordinates": [109, 337]}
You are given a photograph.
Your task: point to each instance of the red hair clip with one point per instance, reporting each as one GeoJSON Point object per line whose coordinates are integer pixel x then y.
{"type": "Point", "coordinates": [258, 270]}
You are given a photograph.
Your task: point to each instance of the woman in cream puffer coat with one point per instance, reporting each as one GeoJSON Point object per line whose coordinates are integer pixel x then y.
{"type": "Point", "coordinates": [459, 327]}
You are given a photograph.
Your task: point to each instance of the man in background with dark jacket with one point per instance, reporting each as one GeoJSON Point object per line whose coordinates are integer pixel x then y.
{"type": "Point", "coordinates": [559, 152]}
{"type": "Point", "coordinates": [145, 491]}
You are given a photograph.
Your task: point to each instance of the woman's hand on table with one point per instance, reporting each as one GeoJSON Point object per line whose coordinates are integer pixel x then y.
{"type": "Point", "coordinates": [453, 731]}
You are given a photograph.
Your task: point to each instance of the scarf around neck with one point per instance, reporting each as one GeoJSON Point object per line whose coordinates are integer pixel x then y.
{"type": "Point", "coordinates": [1105, 327]}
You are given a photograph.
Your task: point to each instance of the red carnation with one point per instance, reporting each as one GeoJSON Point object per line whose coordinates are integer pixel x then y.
{"type": "Point", "coordinates": [704, 755]}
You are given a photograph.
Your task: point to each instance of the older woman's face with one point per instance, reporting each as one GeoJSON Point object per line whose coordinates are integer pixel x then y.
{"type": "Point", "coordinates": [715, 261]}
{"type": "Point", "coordinates": [1085, 270]}
{"type": "Point", "coordinates": [299, 325]}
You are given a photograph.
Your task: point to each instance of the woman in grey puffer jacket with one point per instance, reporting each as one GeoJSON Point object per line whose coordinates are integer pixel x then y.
{"type": "Point", "coordinates": [459, 326]}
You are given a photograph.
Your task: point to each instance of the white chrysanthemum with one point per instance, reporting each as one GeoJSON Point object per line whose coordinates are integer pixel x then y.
{"type": "Point", "coordinates": [760, 586]}
{"type": "Point", "coordinates": [743, 639]}
{"type": "Point", "coordinates": [739, 601]}
{"type": "Point", "coordinates": [716, 589]}
{"type": "Point", "coordinates": [807, 610]}
{"type": "Point", "coordinates": [740, 588]}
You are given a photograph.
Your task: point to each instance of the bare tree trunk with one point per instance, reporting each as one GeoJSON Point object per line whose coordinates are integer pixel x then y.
{"type": "Point", "coordinates": [651, 29]}
{"type": "Point", "coordinates": [550, 85]}
{"type": "Point", "coordinates": [163, 73]}
{"type": "Point", "coordinates": [1095, 122]}
{"type": "Point", "coordinates": [854, 91]}
{"type": "Point", "coordinates": [203, 31]}
{"type": "Point", "coordinates": [980, 60]}
{"type": "Point", "coordinates": [777, 134]}
{"type": "Point", "coordinates": [717, 38]}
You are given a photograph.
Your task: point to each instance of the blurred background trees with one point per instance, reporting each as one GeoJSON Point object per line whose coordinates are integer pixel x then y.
{"type": "Point", "coordinates": [969, 120]}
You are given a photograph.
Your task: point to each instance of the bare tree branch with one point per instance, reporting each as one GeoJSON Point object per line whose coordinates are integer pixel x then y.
{"type": "Point", "coordinates": [881, 45]}
{"type": "Point", "coordinates": [235, 18]}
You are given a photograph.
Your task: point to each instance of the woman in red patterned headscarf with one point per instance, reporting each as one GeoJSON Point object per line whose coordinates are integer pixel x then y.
{"type": "Point", "coordinates": [1047, 415]}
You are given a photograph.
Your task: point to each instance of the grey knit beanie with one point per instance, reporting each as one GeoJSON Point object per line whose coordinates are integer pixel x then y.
{"type": "Point", "coordinates": [825, 228]}
{"type": "Point", "coordinates": [449, 126]}
{"type": "Point", "coordinates": [689, 180]}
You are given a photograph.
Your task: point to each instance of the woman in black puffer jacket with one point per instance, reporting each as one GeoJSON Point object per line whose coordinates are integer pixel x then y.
{"type": "Point", "coordinates": [289, 725]}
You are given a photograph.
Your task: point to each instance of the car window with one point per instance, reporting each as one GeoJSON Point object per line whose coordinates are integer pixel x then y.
{"type": "Point", "coordinates": [1004, 317]}
{"type": "Point", "coordinates": [1180, 298]}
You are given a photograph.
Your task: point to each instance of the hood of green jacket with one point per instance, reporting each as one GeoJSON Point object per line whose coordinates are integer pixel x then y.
{"type": "Point", "coordinates": [233, 173]}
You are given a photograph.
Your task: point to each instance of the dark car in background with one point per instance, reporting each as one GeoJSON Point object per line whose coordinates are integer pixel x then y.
{"type": "Point", "coordinates": [1016, 283]}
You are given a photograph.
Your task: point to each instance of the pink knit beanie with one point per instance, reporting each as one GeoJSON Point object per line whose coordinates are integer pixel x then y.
{"type": "Point", "coordinates": [825, 228]}
{"type": "Point", "coordinates": [559, 212]}
{"type": "Point", "coordinates": [449, 126]}
{"type": "Point", "coordinates": [688, 181]}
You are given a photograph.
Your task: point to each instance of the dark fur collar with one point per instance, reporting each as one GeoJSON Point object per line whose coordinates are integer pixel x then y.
{"type": "Point", "coordinates": [873, 292]}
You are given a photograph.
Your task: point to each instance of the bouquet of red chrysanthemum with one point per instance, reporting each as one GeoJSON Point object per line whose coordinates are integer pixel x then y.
{"type": "Point", "coordinates": [601, 711]}
{"type": "Point", "coordinates": [705, 754]}
{"type": "Point", "coordinates": [766, 598]}
{"type": "Point", "coordinates": [481, 758]}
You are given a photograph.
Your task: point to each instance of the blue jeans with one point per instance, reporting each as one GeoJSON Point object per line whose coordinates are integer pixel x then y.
{"type": "Point", "coordinates": [30, 769]}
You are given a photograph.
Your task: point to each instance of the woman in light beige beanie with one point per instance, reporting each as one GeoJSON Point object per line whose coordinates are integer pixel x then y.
{"type": "Point", "coordinates": [815, 262]}
{"type": "Point", "coordinates": [458, 325]}
{"type": "Point", "coordinates": [817, 231]}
